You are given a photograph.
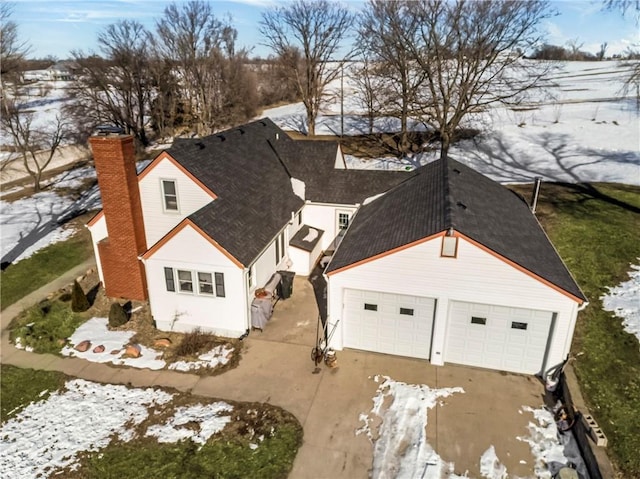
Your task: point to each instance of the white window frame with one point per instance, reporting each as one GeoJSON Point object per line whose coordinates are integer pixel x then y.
{"type": "Point", "coordinates": [180, 281]}
{"type": "Point", "coordinates": [210, 283]}
{"type": "Point", "coordinates": [165, 208]}
{"type": "Point", "coordinates": [217, 283]}
{"type": "Point", "coordinates": [339, 230]}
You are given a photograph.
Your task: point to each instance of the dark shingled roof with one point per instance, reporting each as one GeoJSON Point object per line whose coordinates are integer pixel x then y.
{"type": "Point", "coordinates": [250, 168]}
{"type": "Point", "coordinates": [447, 194]}
{"type": "Point", "coordinates": [255, 197]}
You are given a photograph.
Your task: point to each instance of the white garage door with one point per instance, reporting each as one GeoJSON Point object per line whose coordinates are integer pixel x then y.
{"type": "Point", "coordinates": [508, 339]}
{"type": "Point", "coordinates": [388, 323]}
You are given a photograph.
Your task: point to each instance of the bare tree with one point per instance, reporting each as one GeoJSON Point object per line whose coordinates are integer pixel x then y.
{"type": "Point", "coordinates": [315, 29]}
{"type": "Point", "coordinates": [35, 147]}
{"type": "Point", "coordinates": [625, 7]}
{"type": "Point", "coordinates": [603, 51]}
{"type": "Point", "coordinates": [115, 89]}
{"type": "Point", "coordinates": [194, 41]}
{"type": "Point", "coordinates": [384, 30]}
{"type": "Point", "coordinates": [470, 53]}
{"type": "Point", "coordinates": [12, 50]}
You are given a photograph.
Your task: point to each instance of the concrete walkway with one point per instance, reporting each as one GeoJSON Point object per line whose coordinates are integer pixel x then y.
{"type": "Point", "coordinates": [276, 367]}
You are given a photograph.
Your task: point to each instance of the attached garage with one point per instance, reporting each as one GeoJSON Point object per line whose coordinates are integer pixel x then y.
{"type": "Point", "coordinates": [496, 337]}
{"type": "Point", "coordinates": [388, 323]}
{"type": "Point", "coordinates": [452, 267]}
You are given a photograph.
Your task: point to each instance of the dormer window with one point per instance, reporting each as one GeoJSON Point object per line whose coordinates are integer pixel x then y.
{"type": "Point", "coordinates": [170, 195]}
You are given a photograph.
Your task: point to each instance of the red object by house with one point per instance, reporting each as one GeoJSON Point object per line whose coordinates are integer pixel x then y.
{"type": "Point", "coordinates": [123, 272]}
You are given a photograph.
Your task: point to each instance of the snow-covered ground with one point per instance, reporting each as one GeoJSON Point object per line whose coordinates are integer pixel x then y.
{"type": "Point", "coordinates": [85, 416]}
{"type": "Point", "coordinates": [578, 130]}
{"type": "Point", "coordinates": [110, 347]}
{"type": "Point", "coordinates": [624, 301]}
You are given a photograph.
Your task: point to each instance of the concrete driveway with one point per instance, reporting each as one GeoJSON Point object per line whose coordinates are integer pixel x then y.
{"type": "Point", "coordinates": [276, 367]}
{"type": "Point", "coordinates": [329, 404]}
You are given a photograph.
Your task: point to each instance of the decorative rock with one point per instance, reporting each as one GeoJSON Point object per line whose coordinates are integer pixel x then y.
{"type": "Point", "coordinates": [99, 349]}
{"type": "Point", "coordinates": [133, 350]}
{"type": "Point", "coordinates": [83, 346]}
{"type": "Point", "coordinates": [61, 342]}
{"type": "Point", "coordinates": [162, 343]}
{"type": "Point", "coordinates": [115, 351]}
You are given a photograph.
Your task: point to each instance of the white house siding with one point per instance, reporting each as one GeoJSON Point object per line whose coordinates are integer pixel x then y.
{"type": "Point", "coordinates": [340, 163]}
{"type": "Point", "coordinates": [474, 276]}
{"type": "Point", "coordinates": [183, 311]}
{"type": "Point", "coordinates": [324, 217]}
{"type": "Point", "coordinates": [98, 232]}
{"type": "Point", "coordinates": [191, 197]}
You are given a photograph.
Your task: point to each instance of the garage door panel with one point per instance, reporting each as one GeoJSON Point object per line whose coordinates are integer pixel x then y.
{"type": "Point", "coordinates": [498, 343]}
{"type": "Point", "coordinates": [400, 324]}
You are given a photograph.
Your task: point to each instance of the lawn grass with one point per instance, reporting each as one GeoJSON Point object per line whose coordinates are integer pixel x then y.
{"type": "Point", "coordinates": [45, 327]}
{"type": "Point", "coordinates": [228, 454]}
{"type": "Point", "coordinates": [223, 457]}
{"type": "Point", "coordinates": [44, 266]}
{"type": "Point", "coordinates": [596, 231]}
{"type": "Point", "coordinates": [20, 387]}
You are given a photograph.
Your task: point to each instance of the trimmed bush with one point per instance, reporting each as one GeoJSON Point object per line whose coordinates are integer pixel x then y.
{"type": "Point", "coordinates": [79, 301]}
{"type": "Point", "coordinates": [117, 315]}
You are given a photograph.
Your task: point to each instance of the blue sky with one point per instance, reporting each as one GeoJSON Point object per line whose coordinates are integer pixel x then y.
{"type": "Point", "coordinates": [55, 28]}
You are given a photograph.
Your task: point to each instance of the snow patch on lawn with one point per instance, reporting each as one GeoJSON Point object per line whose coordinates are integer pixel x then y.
{"type": "Point", "coordinates": [96, 331]}
{"type": "Point", "coordinates": [81, 417]}
{"type": "Point", "coordinates": [624, 301]}
{"type": "Point", "coordinates": [218, 356]}
{"type": "Point", "coordinates": [208, 418]}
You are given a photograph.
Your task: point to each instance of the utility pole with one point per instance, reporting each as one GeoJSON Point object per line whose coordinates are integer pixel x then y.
{"type": "Point", "coordinates": [342, 100]}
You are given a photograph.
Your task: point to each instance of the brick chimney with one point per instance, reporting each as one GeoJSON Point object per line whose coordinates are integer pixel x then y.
{"type": "Point", "coordinates": [123, 272]}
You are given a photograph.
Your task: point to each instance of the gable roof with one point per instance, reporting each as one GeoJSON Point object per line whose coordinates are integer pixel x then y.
{"type": "Point", "coordinates": [255, 198]}
{"type": "Point", "coordinates": [447, 194]}
{"type": "Point", "coordinates": [249, 169]}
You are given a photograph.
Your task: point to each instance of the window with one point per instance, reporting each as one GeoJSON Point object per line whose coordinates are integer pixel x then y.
{"type": "Point", "coordinates": [209, 284]}
{"type": "Point", "coordinates": [169, 280]}
{"type": "Point", "coordinates": [185, 281]}
{"type": "Point", "coordinates": [449, 246]}
{"type": "Point", "coordinates": [219, 284]}
{"type": "Point", "coordinates": [477, 320]}
{"type": "Point", "coordinates": [205, 283]}
{"type": "Point", "coordinates": [370, 307]}
{"type": "Point", "coordinates": [170, 195]}
{"type": "Point", "coordinates": [518, 325]}
{"type": "Point", "coordinates": [343, 223]}
{"type": "Point", "coordinates": [406, 311]}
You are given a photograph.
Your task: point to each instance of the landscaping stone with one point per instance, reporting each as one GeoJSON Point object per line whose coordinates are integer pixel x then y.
{"type": "Point", "coordinates": [99, 349]}
{"type": "Point", "coordinates": [133, 351]}
{"type": "Point", "coordinates": [162, 343]}
{"type": "Point", "coordinates": [83, 346]}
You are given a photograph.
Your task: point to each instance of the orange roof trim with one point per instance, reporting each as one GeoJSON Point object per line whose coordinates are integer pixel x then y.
{"type": "Point", "coordinates": [473, 242]}
{"type": "Point", "coordinates": [386, 253]}
{"type": "Point", "coordinates": [181, 226]}
{"type": "Point", "coordinates": [96, 218]}
{"type": "Point", "coordinates": [166, 156]}
{"type": "Point", "coordinates": [522, 269]}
